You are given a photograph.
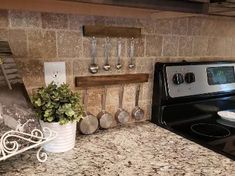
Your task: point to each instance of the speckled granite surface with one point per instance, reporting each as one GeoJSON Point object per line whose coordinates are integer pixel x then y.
{"type": "Point", "coordinates": [140, 149]}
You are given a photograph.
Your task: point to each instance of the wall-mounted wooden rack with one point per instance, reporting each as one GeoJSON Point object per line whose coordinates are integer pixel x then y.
{"type": "Point", "coordinates": [111, 31]}
{"type": "Point", "coordinates": [91, 81]}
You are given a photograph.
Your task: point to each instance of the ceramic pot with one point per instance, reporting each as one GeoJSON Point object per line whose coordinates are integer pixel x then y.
{"type": "Point", "coordinates": [65, 140]}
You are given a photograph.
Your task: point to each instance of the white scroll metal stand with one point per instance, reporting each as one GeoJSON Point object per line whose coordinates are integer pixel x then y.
{"type": "Point", "coordinates": [10, 142]}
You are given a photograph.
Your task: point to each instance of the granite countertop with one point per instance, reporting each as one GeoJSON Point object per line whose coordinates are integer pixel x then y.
{"type": "Point", "coordinates": [138, 149]}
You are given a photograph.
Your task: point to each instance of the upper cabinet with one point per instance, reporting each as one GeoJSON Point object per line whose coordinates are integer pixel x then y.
{"type": "Point", "coordinates": [189, 6]}
{"type": "Point", "coordinates": [127, 8]}
{"type": "Point", "coordinates": [222, 8]}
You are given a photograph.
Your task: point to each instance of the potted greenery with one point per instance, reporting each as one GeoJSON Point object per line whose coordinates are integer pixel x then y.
{"type": "Point", "coordinates": [59, 109]}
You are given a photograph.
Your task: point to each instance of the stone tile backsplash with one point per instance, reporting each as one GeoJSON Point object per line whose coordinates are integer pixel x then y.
{"type": "Point", "coordinates": [38, 37]}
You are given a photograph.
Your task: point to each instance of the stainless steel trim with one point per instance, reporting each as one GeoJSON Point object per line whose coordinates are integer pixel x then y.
{"type": "Point", "coordinates": [200, 86]}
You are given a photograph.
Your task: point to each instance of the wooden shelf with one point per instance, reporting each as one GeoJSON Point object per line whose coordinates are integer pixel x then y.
{"type": "Point", "coordinates": [91, 81]}
{"type": "Point", "coordinates": [110, 31]}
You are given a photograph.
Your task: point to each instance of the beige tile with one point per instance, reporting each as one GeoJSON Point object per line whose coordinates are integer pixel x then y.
{"type": "Point", "coordinates": [87, 47]}
{"type": "Point", "coordinates": [94, 97]}
{"type": "Point", "coordinates": [146, 106]}
{"type": "Point", "coordinates": [154, 45]}
{"type": "Point", "coordinates": [54, 20]}
{"type": "Point", "coordinates": [228, 46]}
{"type": "Point", "coordinates": [185, 46]}
{"type": "Point", "coordinates": [121, 21]}
{"type": "Point", "coordinates": [233, 48]}
{"type": "Point", "coordinates": [32, 72]}
{"type": "Point", "coordinates": [146, 91]}
{"type": "Point", "coordinates": [129, 94]}
{"type": "Point", "coordinates": [138, 47]}
{"type": "Point", "coordinates": [99, 20]}
{"type": "Point", "coordinates": [126, 22]}
{"type": "Point", "coordinates": [42, 44]}
{"type": "Point", "coordinates": [69, 44]}
{"type": "Point", "coordinates": [4, 18]}
{"type": "Point", "coordinates": [195, 25]}
{"type": "Point", "coordinates": [111, 21]}
{"type": "Point", "coordinates": [114, 45]}
{"type": "Point", "coordinates": [170, 46]}
{"type": "Point", "coordinates": [164, 26]}
{"type": "Point", "coordinates": [222, 27]}
{"type": "Point", "coordinates": [200, 46]}
{"type": "Point", "coordinates": [77, 21]}
{"type": "Point", "coordinates": [144, 65]}
{"type": "Point", "coordinates": [147, 26]}
{"type": "Point", "coordinates": [4, 34]}
{"type": "Point", "coordinates": [216, 47]}
{"type": "Point", "coordinates": [18, 42]}
{"type": "Point", "coordinates": [209, 27]}
{"type": "Point", "coordinates": [180, 26]}
{"type": "Point", "coordinates": [25, 19]}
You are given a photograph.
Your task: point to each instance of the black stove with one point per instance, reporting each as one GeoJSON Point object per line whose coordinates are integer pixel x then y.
{"type": "Point", "coordinates": [187, 97]}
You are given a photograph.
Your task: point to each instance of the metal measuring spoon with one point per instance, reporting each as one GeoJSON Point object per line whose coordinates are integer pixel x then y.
{"type": "Point", "coordinates": [119, 50]}
{"type": "Point", "coordinates": [106, 66]}
{"type": "Point", "coordinates": [131, 64]}
{"type": "Point", "coordinates": [93, 68]}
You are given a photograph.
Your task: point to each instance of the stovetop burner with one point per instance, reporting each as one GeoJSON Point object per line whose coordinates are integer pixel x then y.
{"type": "Point", "coordinates": [187, 97]}
{"type": "Point", "coordinates": [210, 130]}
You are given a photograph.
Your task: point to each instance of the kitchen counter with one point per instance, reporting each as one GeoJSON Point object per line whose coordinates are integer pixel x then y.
{"type": "Point", "coordinates": [139, 149]}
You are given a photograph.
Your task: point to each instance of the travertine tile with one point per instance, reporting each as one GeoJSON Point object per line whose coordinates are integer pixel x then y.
{"type": "Point", "coordinates": [110, 21]}
{"type": "Point", "coordinates": [129, 94]}
{"type": "Point", "coordinates": [154, 45]}
{"type": "Point", "coordinates": [54, 20]}
{"type": "Point", "coordinates": [126, 22]}
{"type": "Point", "coordinates": [138, 47]}
{"type": "Point", "coordinates": [209, 27]}
{"type": "Point", "coordinates": [144, 65]}
{"type": "Point", "coordinates": [233, 48]}
{"type": "Point", "coordinates": [99, 20]}
{"type": "Point", "coordinates": [94, 97]}
{"type": "Point", "coordinates": [146, 106]}
{"type": "Point", "coordinates": [42, 44]}
{"type": "Point", "coordinates": [185, 46]}
{"type": "Point", "coordinates": [121, 21]}
{"type": "Point", "coordinates": [195, 25]}
{"type": "Point", "coordinates": [114, 45]}
{"type": "Point", "coordinates": [180, 26]}
{"type": "Point", "coordinates": [25, 19]}
{"type": "Point", "coordinates": [77, 21]}
{"type": "Point", "coordinates": [164, 26]}
{"type": "Point", "coordinates": [222, 27]}
{"type": "Point", "coordinates": [228, 47]}
{"type": "Point", "coordinates": [18, 42]}
{"type": "Point", "coordinates": [200, 46]}
{"type": "Point", "coordinates": [146, 91]}
{"type": "Point", "coordinates": [87, 47]}
{"type": "Point", "coordinates": [80, 67]}
{"type": "Point", "coordinates": [216, 47]}
{"type": "Point", "coordinates": [147, 26]}
{"type": "Point", "coordinates": [32, 72]}
{"type": "Point", "coordinates": [69, 44]}
{"type": "Point", "coordinates": [4, 34]}
{"type": "Point", "coordinates": [4, 18]}
{"type": "Point", "coordinates": [170, 46]}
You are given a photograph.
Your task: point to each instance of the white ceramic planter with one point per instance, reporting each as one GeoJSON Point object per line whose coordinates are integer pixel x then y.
{"type": "Point", "coordinates": [65, 139]}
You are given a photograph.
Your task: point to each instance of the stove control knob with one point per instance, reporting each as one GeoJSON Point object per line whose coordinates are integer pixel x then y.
{"type": "Point", "coordinates": [189, 77]}
{"type": "Point", "coordinates": [178, 78]}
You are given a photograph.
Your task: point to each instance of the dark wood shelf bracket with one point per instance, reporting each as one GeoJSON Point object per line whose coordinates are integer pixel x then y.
{"type": "Point", "coordinates": [92, 81]}
{"type": "Point", "coordinates": [110, 31]}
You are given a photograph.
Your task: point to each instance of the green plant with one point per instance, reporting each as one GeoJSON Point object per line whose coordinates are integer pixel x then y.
{"type": "Point", "coordinates": [57, 104]}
